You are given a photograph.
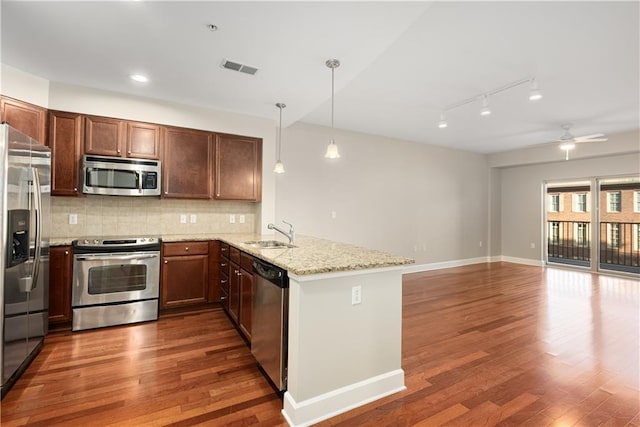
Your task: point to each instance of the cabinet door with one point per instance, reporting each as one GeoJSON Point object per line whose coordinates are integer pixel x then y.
{"type": "Point", "coordinates": [246, 302]}
{"type": "Point", "coordinates": [234, 292]}
{"type": "Point", "coordinates": [65, 138]}
{"type": "Point", "coordinates": [60, 277]}
{"type": "Point", "coordinates": [185, 280]}
{"type": "Point", "coordinates": [103, 136]}
{"type": "Point", "coordinates": [27, 118]}
{"type": "Point", "coordinates": [143, 140]}
{"type": "Point", "coordinates": [238, 168]}
{"type": "Point", "coordinates": [186, 164]}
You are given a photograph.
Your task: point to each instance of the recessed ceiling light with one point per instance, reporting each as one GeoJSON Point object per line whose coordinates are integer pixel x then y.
{"type": "Point", "coordinates": [212, 27]}
{"type": "Point", "coordinates": [139, 78]}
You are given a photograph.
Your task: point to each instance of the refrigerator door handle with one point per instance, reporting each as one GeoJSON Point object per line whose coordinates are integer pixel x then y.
{"type": "Point", "coordinates": [37, 196]}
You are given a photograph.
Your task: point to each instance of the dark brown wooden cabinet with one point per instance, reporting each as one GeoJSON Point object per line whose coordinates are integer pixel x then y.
{"type": "Point", "coordinates": [238, 168]}
{"type": "Point", "coordinates": [65, 140]}
{"type": "Point", "coordinates": [185, 274]}
{"type": "Point", "coordinates": [143, 140]}
{"type": "Point", "coordinates": [223, 267]}
{"type": "Point", "coordinates": [186, 164]}
{"type": "Point", "coordinates": [60, 277]}
{"type": "Point", "coordinates": [246, 295]}
{"type": "Point", "coordinates": [28, 118]}
{"type": "Point", "coordinates": [103, 136]}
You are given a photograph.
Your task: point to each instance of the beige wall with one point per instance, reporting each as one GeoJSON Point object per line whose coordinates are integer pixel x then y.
{"type": "Point", "coordinates": [417, 200]}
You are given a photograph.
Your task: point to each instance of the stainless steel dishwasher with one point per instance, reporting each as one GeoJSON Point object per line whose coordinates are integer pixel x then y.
{"type": "Point", "coordinates": [269, 332]}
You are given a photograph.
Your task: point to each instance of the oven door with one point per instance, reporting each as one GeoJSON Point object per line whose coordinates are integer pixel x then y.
{"type": "Point", "coordinates": [115, 277]}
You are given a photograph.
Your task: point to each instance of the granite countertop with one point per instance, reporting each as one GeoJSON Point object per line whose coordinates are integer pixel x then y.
{"type": "Point", "coordinates": [311, 255]}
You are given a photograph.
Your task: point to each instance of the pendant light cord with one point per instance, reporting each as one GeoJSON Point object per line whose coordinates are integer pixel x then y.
{"type": "Point", "coordinates": [332, 96]}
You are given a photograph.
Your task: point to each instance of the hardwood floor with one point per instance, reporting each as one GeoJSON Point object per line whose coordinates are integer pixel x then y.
{"type": "Point", "coordinates": [483, 345]}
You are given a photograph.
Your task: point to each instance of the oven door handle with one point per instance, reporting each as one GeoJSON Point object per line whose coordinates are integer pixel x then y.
{"type": "Point", "coordinates": [115, 258]}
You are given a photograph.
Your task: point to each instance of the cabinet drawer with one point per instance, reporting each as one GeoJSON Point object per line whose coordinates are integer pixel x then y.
{"type": "Point", "coordinates": [234, 254]}
{"type": "Point", "coordinates": [224, 266]}
{"type": "Point", "coordinates": [186, 248]}
{"type": "Point", "coordinates": [224, 284]}
{"type": "Point", "coordinates": [246, 262]}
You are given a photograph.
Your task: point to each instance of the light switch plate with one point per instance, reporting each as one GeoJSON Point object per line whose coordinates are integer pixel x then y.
{"type": "Point", "coordinates": [183, 219]}
{"type": "Point", "coordinates": [73, 219]}
{"type": "Point", "coordinates": [192, 219]}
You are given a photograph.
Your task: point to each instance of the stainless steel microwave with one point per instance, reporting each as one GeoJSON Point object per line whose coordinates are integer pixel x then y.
{"type": "Point", "coordinates": [116, 176]}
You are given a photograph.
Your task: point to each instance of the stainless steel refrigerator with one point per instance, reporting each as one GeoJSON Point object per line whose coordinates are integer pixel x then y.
{"type": "Point", "coordinates": [25, 177]}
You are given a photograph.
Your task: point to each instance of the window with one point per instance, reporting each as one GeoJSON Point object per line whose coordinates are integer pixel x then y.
{"type": "Point", "coordinates": [613, 235]}
{"type": "Point", "coordinates": [636, 201]}
{"type": "Point", "coordinates": [555, 232]}
{"type": "Point", "coordinates": [554, 203]}
{"type": "Point", "coordinates": [636, 237]}
{"type": "Point", "coordinates": [580, 202]}
{"type": "Point", "coordinates": [613, 201]}
{"type": "Point", "coordinates": [581, 233]}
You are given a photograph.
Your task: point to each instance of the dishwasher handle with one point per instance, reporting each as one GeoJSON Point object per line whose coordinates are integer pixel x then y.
{"type": "Point", "coordinates": [270, 272]}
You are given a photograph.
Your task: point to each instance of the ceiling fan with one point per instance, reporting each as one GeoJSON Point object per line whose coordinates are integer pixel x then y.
{"type": "Point", "coordinates": [568, 141]}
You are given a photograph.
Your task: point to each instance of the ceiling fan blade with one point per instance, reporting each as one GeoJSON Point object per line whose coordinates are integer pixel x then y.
{"type": "Point", "coordinates": [580, 141]}
{"type": "Point", "coordinates": [595, 135]}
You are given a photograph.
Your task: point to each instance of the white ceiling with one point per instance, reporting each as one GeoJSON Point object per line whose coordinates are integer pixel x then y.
{"type": "Point", "coordinates": [402, 62]}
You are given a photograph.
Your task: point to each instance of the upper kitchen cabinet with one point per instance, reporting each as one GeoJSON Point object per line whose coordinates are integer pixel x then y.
{"type": "Point", "coordinates": [238, 168]}
{"type": "Point", "coordinates": [186, 163]}
{"type": "Point", "coordinates": [105, 136]}
{"type": "Point", "coordinates": [65, 140]}
{"type": "Point", "coordinates": [143, 140]}
{"type": "Point", "coordinates": [27, 118]}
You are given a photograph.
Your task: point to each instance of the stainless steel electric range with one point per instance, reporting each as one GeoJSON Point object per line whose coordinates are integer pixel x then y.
{"type": "Point", "coordinates": [115, 281]}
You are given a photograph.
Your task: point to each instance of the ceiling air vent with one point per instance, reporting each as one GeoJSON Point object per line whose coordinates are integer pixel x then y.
{"type": "Point", "coordinates": [230, 65]}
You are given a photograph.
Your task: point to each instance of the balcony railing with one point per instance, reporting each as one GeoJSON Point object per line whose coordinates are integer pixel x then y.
{"type": "Point", "coordinates": [619, 247]}
{"type": "Point", "coordinates": [569, 242]}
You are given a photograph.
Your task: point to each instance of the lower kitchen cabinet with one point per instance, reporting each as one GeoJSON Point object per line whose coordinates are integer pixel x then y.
{"type": "Point", "coordinates": [60, 278]}
{"type": "Point", "coordinates": [246, 302]}
{"type": "Point", "coordinates": [241, 290]}
{"type": "Point", "coordinates": [185, 274]}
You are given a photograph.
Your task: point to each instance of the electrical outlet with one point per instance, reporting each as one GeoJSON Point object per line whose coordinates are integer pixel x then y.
{"type": "Point", "coordinates": [232, 219]}
{"type": "Point", "coordinates": [192, 219]}
{"type": "Point", "coordinates": [356, 295]}
{"type": "Point", "coordinates": [183, 219]}
{"type": "Point", "coordinates": [73, 219]}
{"type": "Point", "coordinates": [333, 214]}
{"type": "Point", "coordinates": [241, 218]}
{"type": "Point", "coordinates": [480, 243]}
{"type": "Point", "coordinates": [532, 245]}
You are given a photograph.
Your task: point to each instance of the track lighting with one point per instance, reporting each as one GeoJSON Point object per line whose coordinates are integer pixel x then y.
{"type": "Point", "coordinates": [332, 148]}
{"type": "Point", "coordinates": [443, 121]}
{"type": "Point", "coordinates": [279, 167]}
{"type": "Point", "coordinates": [485, 110]}
{"type": "Point", "coordinates": [534, 95]}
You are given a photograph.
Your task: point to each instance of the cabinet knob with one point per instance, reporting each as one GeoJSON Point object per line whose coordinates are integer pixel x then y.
{"type": "Point", "coordinates": [186, 248]}
{"type": "Point", "coordinates": [166, 262]}
{"type": "Point", "coordinates": [223, 249]}
{"type": "Point", "coordinates": [118, 151]}
{"type": "Point", "coordinates": [75, 188]}
{"type": "Point", "coordinates": [217, 194]}
{"type": "Point", "coordinates": [66, 252]}
{"type": "Point", "coordinates": [128, 152]}
{"type": "Point", "coordinates": [166, 192]}
{"type": "Point", "coordinates": [238, 273]}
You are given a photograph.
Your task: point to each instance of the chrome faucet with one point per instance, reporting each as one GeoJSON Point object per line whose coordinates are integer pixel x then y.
{"type": "Point", "coordinates": [290, 235]}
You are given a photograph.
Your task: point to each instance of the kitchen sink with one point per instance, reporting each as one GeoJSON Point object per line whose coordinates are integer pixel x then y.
{"type": "Point", "coordinates": [269, 244]}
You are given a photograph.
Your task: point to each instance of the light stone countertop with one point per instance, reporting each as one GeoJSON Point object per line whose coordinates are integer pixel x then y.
{"type": "Point", "coordinates": [311, 255]}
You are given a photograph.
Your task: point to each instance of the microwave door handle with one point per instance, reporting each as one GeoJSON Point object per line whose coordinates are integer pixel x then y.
{"type": "Point", "coordinates": [140, 175]}
{"type": "Point", "coordinates": [115, 258]}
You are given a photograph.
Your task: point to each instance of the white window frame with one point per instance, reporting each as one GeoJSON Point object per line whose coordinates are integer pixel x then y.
{"type": "Point", "coordinates": [584, 241]}
{"type": "Point", "coordinates": [552, 207]}
{"type": "Point", "coordinates": [636, 237]}
{"type": "Point", "coordinates": [636, 201]}
{"type": "Point", "coordinates": [610, 241]}
{"type": "Point", "coordinates": [576, 202]}
{"type": "Point", "coordinates": [610, 200]}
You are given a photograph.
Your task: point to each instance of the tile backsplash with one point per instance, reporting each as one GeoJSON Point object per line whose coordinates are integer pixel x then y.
{"type": "Point", "coordinates": [145, 216]}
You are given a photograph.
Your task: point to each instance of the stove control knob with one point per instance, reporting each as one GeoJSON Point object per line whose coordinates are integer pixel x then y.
{"type": "Point", "coordinates": [143, 240]}
{"type": "Point", "coordinates": [96, 241]}
{"type": "Point", "coordinates": [86, 242]}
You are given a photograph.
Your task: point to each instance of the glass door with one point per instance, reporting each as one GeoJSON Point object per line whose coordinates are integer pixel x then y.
{"type": "Point", "coordinates": [619, 225]}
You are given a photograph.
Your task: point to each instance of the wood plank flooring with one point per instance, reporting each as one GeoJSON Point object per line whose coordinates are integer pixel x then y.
{"type": "Point", "coordinates": [483, 345]}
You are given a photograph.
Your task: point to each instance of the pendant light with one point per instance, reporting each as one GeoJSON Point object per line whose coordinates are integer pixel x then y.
{"type": "Point", "coordinates": [332, 148]}
{"type": "Point", "coordinates": [279, 168]}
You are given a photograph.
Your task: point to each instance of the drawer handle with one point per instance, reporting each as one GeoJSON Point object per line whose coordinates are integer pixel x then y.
{"type": "Point", "coordinates": [223, 298]}
{"type": "Point", "coordinates": [224, 264]}
{"type": "Point", "coordinates": [224, 249]}
{"type": "Point", "coordinates": [223, 281]}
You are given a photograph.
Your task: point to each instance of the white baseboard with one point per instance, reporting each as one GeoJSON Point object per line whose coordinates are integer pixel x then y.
{"type": "Point", "coordinates": [446, 264]}
{"type": "Point", "coordinates": [327, 405]}
{"type": "Point", "coordinates": [418, 268]}
{"type": "Point", "coordinates": [525, 261]}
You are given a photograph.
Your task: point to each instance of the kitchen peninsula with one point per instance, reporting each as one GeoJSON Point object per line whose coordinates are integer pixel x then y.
{"type": "Point", "coordinates": [341, 355]}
